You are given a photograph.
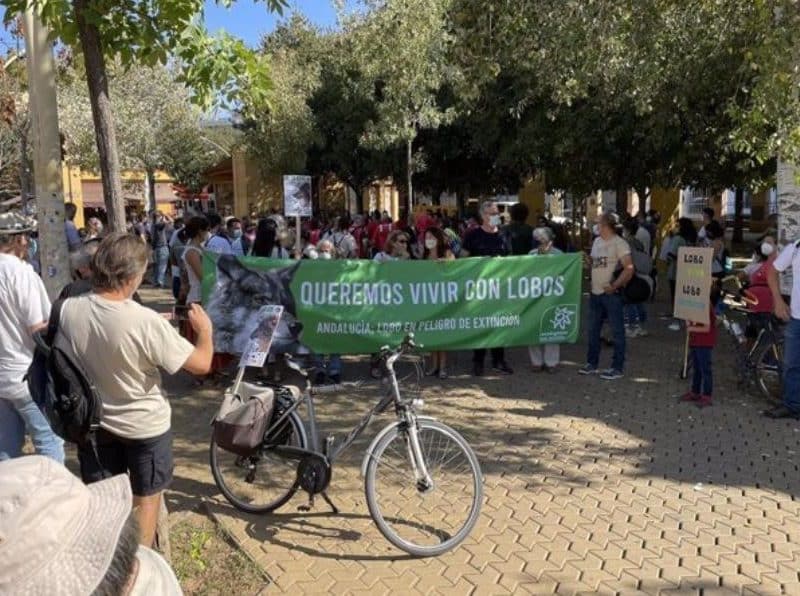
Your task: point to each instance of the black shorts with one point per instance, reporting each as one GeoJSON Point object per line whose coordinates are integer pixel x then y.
{"type": "Point", "coordinates": [148, 462]}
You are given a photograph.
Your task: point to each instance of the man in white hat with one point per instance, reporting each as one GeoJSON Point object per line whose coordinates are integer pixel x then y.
{"type": "Point", "coordinates": [25, 310]}
{"type": "Point", "coordinates": [60, 537]}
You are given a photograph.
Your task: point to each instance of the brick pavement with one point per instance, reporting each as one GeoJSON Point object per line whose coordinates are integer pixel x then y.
{"type": "Point", "coordinates": [590, 487]}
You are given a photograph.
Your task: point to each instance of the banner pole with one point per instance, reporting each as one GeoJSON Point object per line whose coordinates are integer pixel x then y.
{"type": "Point", "coordinates": [686, 354]}
{"type": "Point", "coordinates": [297, 235]}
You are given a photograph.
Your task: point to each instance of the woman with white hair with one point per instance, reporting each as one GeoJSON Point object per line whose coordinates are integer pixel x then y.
{"type": "Point", "coordinates": [544, 357]}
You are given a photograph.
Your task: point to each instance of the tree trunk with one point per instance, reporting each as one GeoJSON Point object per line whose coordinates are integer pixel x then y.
{"type": "Point", "coordinates": [738, 217]}
{"type": "Point", "coordinates": [102, 115]}
{"type": "Point", "coordinates": [622, 200]}
{"type": "Point", "coordinates": [46, 155]}
{"type": "Point", "coordinates": [410, 172]}
{"type": "Point", "coordinates": [25, 182]}
{"type": "Point", "coordinates": [788, 203]}
{"type": "Point", "coordinates": [150, 190]}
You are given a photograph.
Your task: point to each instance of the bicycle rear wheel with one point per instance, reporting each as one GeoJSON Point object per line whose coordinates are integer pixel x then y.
{"type": "Point", "coordinates": [430, 522]}
{"type": "Point", "coordinates": [768, 363]}
{"type": "Point", "coordinates": [265, 480]}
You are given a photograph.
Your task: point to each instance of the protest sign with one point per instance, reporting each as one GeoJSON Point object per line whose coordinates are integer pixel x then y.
{"type": "Point", "coordinates": [355, 307]}
{"type": "Point", "coordinates": [297, 196]}
{"type": "Point", "coordinates": [693, 284]}
{"type": "Point", "coordinates": [257, 349]}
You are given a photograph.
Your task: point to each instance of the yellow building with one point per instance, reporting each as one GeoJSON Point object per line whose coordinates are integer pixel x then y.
{"type": "Point", "coordinates": [85, 190]}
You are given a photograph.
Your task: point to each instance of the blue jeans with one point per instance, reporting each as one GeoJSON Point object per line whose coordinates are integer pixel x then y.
{"type": "Point", "coordinates": [702, 374]}
{"type": "Point", "coordinates": [161, 258]}
{"type": "Point", "coordinates": [791, 365]}
{"type": "Point", "coordinates": [635, 314]}
{"type": "Point", "coordinates": [176, 287]}
{"type": "Point", "coordinates": [602, 307]}
{"type": "Point", "coordinates": [17, 417]}
{"type": "Point", "coordinates": [334, 364]}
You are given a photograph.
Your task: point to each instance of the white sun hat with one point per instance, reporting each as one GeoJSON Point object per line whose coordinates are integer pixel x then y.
{"type": "Point", "coordinates": [57, 535]}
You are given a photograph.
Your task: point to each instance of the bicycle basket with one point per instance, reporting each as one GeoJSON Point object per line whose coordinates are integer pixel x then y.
{"type": "Point", "coordinates": [240, 425]}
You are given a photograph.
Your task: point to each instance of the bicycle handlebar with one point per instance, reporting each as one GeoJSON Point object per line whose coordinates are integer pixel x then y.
{"type": "Point", "coordinates": [408, 343]}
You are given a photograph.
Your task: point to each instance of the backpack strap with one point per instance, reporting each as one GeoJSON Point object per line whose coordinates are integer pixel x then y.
{"type": "Point", "coordinates": [54, 321]}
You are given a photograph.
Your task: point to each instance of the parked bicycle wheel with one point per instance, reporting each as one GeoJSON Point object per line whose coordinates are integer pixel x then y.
{"type": "Point", "coordinates": [768, 363]}
{"type": "Point", "coordinates": [264, 481]}
{"type": "Point", "coordinates": [429, 522]}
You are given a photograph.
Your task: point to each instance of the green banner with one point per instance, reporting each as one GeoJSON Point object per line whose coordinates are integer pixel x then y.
{"type": "Point", "coordinates": [355, 307]}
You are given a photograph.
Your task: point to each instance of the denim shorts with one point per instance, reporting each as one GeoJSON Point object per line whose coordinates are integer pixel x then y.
{"type": "Point", "coordinates": [148, 462]}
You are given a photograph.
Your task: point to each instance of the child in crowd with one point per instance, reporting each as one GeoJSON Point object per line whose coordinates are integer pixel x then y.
{"type": "Point", "coordinates": [702, 339]}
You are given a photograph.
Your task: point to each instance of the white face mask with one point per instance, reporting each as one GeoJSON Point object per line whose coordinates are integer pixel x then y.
{"type": "Point", "coordinates": [325, 256]}
{"type": "Point", "coordinates": [430, 243]}
{"type": "Point", "coordinates": [494, 220]}
{"type": "Point", "coordinates": [596, 230]}
{"type": "Point", "coordinates": [767, 249]}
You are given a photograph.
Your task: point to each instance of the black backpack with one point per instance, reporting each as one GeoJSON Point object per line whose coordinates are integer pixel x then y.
{"type": "Point", "coordinates": [61, 388]}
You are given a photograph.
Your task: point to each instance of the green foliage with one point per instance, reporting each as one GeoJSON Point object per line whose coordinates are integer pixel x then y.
{"type": "Point", "coordinates": [158, 127]}
{"type": "Point", "coordinates": [150, 32]}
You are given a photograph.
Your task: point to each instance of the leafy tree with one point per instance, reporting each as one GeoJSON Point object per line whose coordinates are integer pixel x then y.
{"type": "Point", "coordinates": [149, 32]}
{"type": "Point", "coordinates": [159, 128]}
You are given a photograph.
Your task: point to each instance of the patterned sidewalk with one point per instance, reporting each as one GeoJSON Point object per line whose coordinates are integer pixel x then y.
{"type": "Point", "coordinates": [590, 487]}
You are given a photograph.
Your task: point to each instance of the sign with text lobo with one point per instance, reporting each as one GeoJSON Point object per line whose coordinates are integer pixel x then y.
{"type": "Point", "coordinates": [693, 284]}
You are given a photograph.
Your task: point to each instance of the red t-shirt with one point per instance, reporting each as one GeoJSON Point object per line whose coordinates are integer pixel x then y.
{"type": "Point", "coordinates": [707, 339]}
{"type": "Point", "coordinates": [380, 235]}
{"type": "Point", "coordinates": [760, 289]}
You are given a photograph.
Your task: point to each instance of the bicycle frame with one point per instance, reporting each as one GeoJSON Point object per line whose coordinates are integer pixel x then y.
{"type": "Point", "coordinates": [330, 452]}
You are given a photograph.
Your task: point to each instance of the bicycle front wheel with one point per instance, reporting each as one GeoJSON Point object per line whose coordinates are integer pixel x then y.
{"type": "Point", "coordinates": [263, 481]}
{"type": "Point", "coordinates": [424, 522]}
{"type": "Point", "coordinates": [768, 363]}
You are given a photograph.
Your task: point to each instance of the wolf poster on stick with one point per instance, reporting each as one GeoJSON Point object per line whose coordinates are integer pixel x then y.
{"type": "Point", "coordinates": [355, 307]}
{"type": "Point", "coordinates": [297, 196]}
{"type": "Point", "coordinates": [693, 284]}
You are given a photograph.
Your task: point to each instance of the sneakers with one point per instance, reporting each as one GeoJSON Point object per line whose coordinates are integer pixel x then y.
{"type": "Point", "coordinates": [641, 332]}
{"type": "Point", "coordinates": [502, 368]}
{"type": "Point", "coordinates": [674, 326]}
{"type": "Point", "coordinates": [631, 332]}
{"type": "Point", "coordinates": [611, 374]}
{"type": "Point", "coordinates": [703, 401]}
{"type": "Point", "coordinates": [690, 396]}
{"type": "Point", "coordinates": [588, 369]}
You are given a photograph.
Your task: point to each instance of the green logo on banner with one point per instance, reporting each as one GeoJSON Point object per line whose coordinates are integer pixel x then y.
{"type": "Point", "coordinates": [559, 324]}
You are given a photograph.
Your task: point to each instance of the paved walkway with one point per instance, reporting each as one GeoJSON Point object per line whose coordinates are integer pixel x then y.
{"type": "Point", "coordinates": [591, 487]}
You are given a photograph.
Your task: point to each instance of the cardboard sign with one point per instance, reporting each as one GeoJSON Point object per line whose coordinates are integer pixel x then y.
{"type": "Point", "coordinates": [297, 196]}
{"type": "Point", "coordinates": [693, 284]}
{"type": "Point", "coordinates": [260, 341]}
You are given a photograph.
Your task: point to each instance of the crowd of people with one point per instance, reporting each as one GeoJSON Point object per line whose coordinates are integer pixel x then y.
{"type": "Point", "coordinates": [123, 346]}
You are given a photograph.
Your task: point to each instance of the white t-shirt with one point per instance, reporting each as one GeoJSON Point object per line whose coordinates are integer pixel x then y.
{"type": "Point", "coordinates": [195, 283]}
{"type": "Point", "coordinates": [23, 304]}
{"type": "Point", "coordinates": [790, 258]}
{"type": "Point", "coordinates": [155, 576]}
{"type": "Point", "coordinates": [606, 254]}
{"type": "Point", "coordinates": [219, 245]}
{"type": "Point", "coordinates": [122, 346]}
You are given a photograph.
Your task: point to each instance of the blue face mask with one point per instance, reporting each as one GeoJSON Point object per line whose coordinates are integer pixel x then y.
{"type": "Point", "coordinates": [237, 234]}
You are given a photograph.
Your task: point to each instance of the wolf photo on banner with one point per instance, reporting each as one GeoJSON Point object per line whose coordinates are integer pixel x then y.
{"type": "Point", "coordinates": [297, 196]}
{"type": "Point", "coordinates": [355, 307]}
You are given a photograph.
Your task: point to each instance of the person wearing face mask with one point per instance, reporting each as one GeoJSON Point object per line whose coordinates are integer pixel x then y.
{"type": "Point", "coordinates": [234, 230]}
{"type": "Point", "coordinates": [437, 248]}
{"type": "Point", "coordinates": [327, 366]}
{"type": "Point", "coordinates": [487, 241]}
{"type": "Point", "coordinates": [544, 357]}
{"type": "Point", "coordinates": [197, 233]}
{"type": "Point", "coordinates": [758, 288]}
{"type": "Point", "coordinates": [243, 243]}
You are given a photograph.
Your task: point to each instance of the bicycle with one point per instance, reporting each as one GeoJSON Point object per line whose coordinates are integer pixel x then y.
{"type": "Point", "coordinates": [415, 466]}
